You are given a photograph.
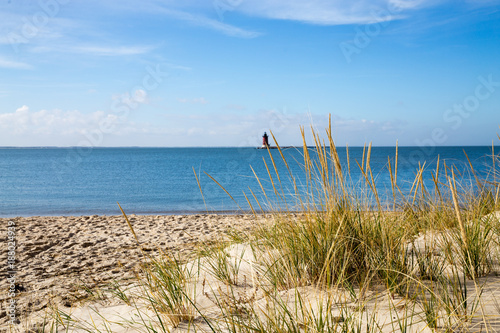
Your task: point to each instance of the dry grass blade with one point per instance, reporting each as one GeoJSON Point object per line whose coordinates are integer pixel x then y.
{"type": "Point", "coordinates": [497, 196]}
{"type": "Point", "coordinates": [348, 160]}
{"type": "Point", "coordinates": [256, 200]}
{"type": "Point", "coordinates": [396, 164]}
{"type": "Point", "coordinates": [282, 156]}
{"type": "Point", "coordinates": [201, 191]}
{"type": "Point", "coordinates": [437, 167]}
{"type": "Point", "coordinates": [372, 186]}
{"type": "Point", "coordinates": [222, 187]}
{"type": "Point", "coordinates": [389, 166]}
{"type": "Point", "coordinates": [436, 186]}
{"type": "Point", "coordinates": [307, 158]}
{"type": "Point", "coordinates": [453, 190]}
{"type": "Point", "coordinates": [368, 156]}
{"type": "Point", "coordinates": [274, 165]}
{"type": "Point", "coordinates": [363, 158]}
{"type": "Point", "coordinates": [493, 157]}
{"type": "Point", "coordinates": [419, 182]}
{"type": "Point", "coordinates": [335, 156]}
{"type": "Point", "coordinates": [271, 178]}
{"type": "Point", "coordinates": [250, 204]}
{"type": "Point", "coordinates": [260, 184]}
{"type": "Point", "coordinates": [472, 170]}
{"type": "Point", "coordinates": [129, 224]}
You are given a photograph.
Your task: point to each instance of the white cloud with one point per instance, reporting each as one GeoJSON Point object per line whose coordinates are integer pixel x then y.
{"type": "Point", "coordinates": [49, 122]}
{"type": "Point", "coordinates": [325, 12]}
{"type": "Point", "coordinates": [60, 128]}
{"type": "Point", "coordinates": [195, 131]}
{"type": "Point", "coordinates": [111, 51]}
{"type": "Point", "coordinates": [139, 96]}
{"type": "Point", "coordinates": [179, 67]}
{"type": "Point", "coordinates": [206, 22]}
{"type": "Point", "coordinates": [406, 4]}
{"type": "Point", "coordinates": [36, 30]}
{"type": "Point", "coordinates": [322, 12]}
{"type": "Point", "coordinates": [4, 63]}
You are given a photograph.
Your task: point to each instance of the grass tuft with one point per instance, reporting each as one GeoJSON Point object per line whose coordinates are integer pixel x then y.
{"type": "Point", "coordinates": [337, 257]}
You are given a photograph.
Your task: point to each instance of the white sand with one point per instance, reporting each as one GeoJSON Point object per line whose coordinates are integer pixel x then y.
{"type": "Point", "coordinates": [99, 243]}
{"type": "Point", "coordinates": [55, 256]}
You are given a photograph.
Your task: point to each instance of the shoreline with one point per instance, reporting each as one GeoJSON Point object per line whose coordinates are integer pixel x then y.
{"type": "Point", "coordinates": [160, 213]}
{"type": "Point", "coordinates": [58, 256]}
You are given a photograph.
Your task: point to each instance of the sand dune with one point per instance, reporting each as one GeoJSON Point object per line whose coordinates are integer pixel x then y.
{"type": "Point", "coordinates": [58, 257]}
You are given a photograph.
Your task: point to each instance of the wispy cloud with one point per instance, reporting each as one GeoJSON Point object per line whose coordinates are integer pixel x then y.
{"type": "Point", "coordinates": [17, 27]}
{"type": "Point", "coordinates": [5, 63]}
{"type": "Point", "coordinates": [179, 67]}
{"type": "Point", "coordinates": [195, 13]}
{"type": "Point", "coordinates": [96, 50]}
{"type": "Point", "coordinates": [322, 12]}
{"type": "Point", "coordinates": [112, 51]}
{"type": "Point", "coordinates": [206, 22]}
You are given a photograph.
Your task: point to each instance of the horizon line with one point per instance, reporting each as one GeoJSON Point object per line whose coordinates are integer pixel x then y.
{"type": "Point", "coordinates": [253, 147]}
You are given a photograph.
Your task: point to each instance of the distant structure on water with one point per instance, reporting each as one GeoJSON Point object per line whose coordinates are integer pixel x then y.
{"type": "Point", "coordinates": [266, 145]}
{"type": "Point", "coordinates": [265, 140]}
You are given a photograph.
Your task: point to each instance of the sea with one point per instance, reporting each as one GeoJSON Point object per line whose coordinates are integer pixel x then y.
{"type": "Point", "coordinates": [47, 181]}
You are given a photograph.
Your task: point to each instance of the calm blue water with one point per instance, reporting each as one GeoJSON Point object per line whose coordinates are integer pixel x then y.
{"type": "Point", "coordinates": [77, 181]}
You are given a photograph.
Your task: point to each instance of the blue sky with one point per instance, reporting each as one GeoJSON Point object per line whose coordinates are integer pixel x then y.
{"type": "Point", "coordinates": [221, 72]}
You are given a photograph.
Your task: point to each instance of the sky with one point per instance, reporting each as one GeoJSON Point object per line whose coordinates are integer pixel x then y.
{"type": "Point", "coordinates": [168, 73]}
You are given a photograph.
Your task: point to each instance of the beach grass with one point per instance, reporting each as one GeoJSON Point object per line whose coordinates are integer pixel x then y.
{"type": "Point", "coordinates": [334, 256]}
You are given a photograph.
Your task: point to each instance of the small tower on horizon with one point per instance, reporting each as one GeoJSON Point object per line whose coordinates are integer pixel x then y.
{"type": "Point", "coordinates": [265, 140]}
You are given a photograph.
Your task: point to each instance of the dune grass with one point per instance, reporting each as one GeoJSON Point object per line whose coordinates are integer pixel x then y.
{"type": "Point", "coordinates": [423, 258]}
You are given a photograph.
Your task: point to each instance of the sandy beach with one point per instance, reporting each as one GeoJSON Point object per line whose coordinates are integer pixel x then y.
{"type": "Point", "coordinates": [70, 264]}
{"type": "Point", "coordinates": [58, 257]}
